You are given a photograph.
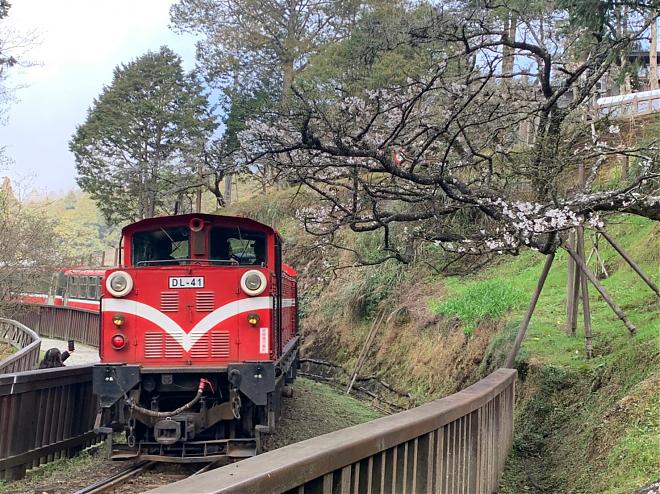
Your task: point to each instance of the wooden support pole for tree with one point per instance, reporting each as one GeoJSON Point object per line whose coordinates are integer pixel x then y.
{"type": "Point", "coordinates": [575, 296]}
{"type": "Point", "coordinates": [511, 358]}
{"type": "Point", "coordinates": [586, 308]}
{"type": "Point", "coordinates": [630, 261]}
{"type": "Point", "coordinates": [362, 357]}
{"type": "Point", "coordinates": [601, 289]}
{"type": "Point", "coordinates": [570, 280]}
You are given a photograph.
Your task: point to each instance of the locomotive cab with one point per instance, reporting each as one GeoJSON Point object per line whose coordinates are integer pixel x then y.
{"type": "Point", "coordinates": [198, 337]}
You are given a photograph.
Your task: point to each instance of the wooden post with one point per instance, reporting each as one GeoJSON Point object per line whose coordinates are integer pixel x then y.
{"type": "Point", "coordinates": [570, 280]}
{"type": "Point", "coordinates": [586, 309]}
{"type": "Point", "coordinates": [653, 57]}
{"type": "Point", "coordinates": [630, 261]}
{"type": "Point", "coordinates": [601, 289]}
{"type": "Point", "coordinates": [362, 357]}
{"type": "Point", "coordinates": [575, 296]}
{"type": "Point", "coordinates": [530, 310]}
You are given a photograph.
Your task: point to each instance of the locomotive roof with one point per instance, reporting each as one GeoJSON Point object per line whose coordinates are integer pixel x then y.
{"type": "Point", "coordinates": [185, 218]}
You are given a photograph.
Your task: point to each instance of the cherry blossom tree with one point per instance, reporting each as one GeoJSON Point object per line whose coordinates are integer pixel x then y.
{"type": "Point", "coordinates": [459, 153]}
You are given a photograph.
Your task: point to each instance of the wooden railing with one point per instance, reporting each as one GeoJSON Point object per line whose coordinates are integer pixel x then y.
{"type": "Point", "coordinates": [44, 415]}
{"type": "Point", "coordinates": [64, 323]}
{"type": "Point", "coordinates": [454, 445]}
{"type": "Point", "coordinates": [26, 341]}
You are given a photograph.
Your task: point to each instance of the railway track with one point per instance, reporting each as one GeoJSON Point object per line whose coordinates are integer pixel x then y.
{"type": "Point", "coordinates": [144, 475]}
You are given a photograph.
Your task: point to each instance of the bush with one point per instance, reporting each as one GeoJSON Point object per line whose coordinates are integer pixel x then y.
{"type": "Point", "coordinates": [485, 300]}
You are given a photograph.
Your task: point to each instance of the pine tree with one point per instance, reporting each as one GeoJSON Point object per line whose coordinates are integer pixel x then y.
{"type": "Point", "coordinates": [143, 138]}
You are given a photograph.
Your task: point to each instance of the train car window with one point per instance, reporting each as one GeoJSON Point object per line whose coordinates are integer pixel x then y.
{"type": "Point", "coordinates": [61, 284]}
{"type": "Point", "coordinates": [83, 286]}
{"type": "Point", "coordinates": [161, 247]}
{"type": "Point", "coordinates": [91, 287]}
{"type": "Point", "coordinates": [73, 287]}
{"type": "Point", "coordinates": [237, 246]}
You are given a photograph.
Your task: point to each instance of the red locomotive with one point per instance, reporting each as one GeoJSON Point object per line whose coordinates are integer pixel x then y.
{"type": "Point", "coordinates": [198, 337]}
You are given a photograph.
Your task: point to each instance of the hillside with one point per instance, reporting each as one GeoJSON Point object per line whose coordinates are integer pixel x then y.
{"type": "Point", "coordinates": [582, 426]}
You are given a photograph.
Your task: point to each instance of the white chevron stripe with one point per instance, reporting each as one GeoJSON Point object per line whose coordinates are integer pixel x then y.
{"type": "Point", "coordinates": [167, 324]}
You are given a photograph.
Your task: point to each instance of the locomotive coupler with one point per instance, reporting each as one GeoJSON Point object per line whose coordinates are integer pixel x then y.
{"type": "Point", "coordinates": [130, 438]}
{"type": "Point", "coordinates": [167, 431]}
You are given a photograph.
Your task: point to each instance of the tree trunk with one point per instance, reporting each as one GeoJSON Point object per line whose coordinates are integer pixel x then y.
{"type": "Point", "coordinates": [287, 82]}
{"type": "Point", "coordinates": [507, 51]}
{"type": "Point", "coordinates": [653, 56]}
{"type": "Point", "coordinates": [198, 195]}
{"type": "Point", "coordinates": [228, 182]}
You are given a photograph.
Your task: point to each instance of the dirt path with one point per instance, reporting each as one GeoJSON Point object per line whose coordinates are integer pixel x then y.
{"type": "Point", "coordinates": [313, 410]}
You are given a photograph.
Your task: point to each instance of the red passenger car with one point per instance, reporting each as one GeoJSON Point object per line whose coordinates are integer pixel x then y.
{"type": "Point", "coordinates": [198, 337]}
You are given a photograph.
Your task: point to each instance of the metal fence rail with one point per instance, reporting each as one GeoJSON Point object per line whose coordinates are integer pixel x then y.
{"type": "Point", "coordinates": [44, 415]}
{"type": "Point", "coordinates": [26, 341]}
{"type": "Point", "coordinates": [64, 323]}
{"type": "Point", "coordinates": [454, 445]}
{"type": "Point", "coordinates": [630, 105]}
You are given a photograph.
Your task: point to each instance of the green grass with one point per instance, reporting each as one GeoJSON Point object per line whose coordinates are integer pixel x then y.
{"type": "Point", "coordinates": [636, 454]}
{"type": "Point", "coordinates": [479, 301]}
{"type": "Point", "coordinates": [577, 419]}
{"type": "Point", "coordinates": [546, 339]}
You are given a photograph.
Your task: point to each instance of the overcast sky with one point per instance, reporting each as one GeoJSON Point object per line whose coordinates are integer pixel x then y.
{"type": "Point", "coordinates": [81, 42]}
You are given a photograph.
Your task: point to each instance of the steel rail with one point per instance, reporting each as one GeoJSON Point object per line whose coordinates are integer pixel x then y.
{"type": "Point", "coordinates": [455, 444]}
{"type": "Point", "coordinates": [106, 484]}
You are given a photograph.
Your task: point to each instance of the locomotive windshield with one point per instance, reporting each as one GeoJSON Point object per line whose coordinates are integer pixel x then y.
{"type": "Point", "coordinates": [237, 246]}
{"type": "Point", "coordinates": [172, 246]}
{"type": "Point", "coordinates": [161, 247]}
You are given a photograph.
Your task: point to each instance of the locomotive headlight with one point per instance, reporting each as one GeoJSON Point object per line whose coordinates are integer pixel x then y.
{"type": "Point", "coordinates": [253, 318]}
{"type": "Point", "coordinates": [118, 320]}
{"type": "Point", "coordinates": [253, 282]}
{"type": "Point", "coordinates": [119, 283]}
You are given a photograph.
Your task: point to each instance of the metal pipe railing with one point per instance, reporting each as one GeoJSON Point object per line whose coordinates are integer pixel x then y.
{"type": "Point", "coordinates": [457, 444]}
{"type": "Point", "coordinates": [26, 341]}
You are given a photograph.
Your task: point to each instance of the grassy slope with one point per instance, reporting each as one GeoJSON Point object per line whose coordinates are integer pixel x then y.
{"type": "Point", "coordinates": [594, 423]}
{"type": "Point", "coordinates": [581, 426]}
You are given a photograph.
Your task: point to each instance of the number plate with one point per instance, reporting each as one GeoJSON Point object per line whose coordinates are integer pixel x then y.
{"type": "Point", "coordinates": [186, 282]}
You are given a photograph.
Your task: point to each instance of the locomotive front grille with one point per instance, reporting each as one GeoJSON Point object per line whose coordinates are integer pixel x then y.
{"type": "Point", "coordinates": [159, 345]}
{"type": "Point", "coordinates": [169, 301]}
{"type": "Point", "coordinates": [153, 345]}
{"type": "Point", "coordinates": [220, 344]}
{"type": "Point", "coordinates": [204, 301]}
{"type": "Point", "coordinates": [201, 348]}
{"type": "Point", "coordinates": [172, 348]}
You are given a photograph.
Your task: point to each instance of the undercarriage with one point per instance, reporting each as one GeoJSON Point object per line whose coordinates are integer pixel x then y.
{"type": "Point", "coordinates": [184, 414]}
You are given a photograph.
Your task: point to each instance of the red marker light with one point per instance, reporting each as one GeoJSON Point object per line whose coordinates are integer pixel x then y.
{"type": "Point", "coordinates": [118, 341]}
